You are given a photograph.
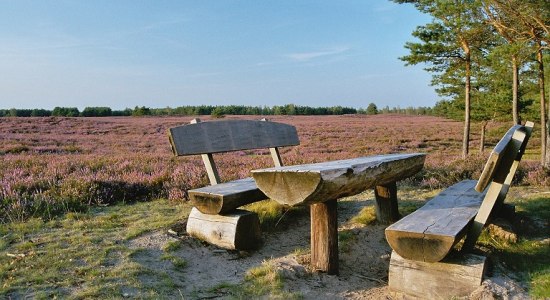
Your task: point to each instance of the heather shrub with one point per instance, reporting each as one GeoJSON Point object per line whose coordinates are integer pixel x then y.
{"type": "Point", "coordinates": [15, 149]}
{"type": "Point", "coordinates": [441, 174]}
{"type": "Point", "coordinates": [534, 174]}
{"type": "Point", "coordinates": [49, 166]}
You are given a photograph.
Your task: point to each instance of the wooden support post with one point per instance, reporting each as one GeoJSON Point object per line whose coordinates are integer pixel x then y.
{"type": "Point", "coordinates": [209, 163]}
{"type": "Point", "coordinates": [276, 157]}
{"type": "Point", "coordinates": [211, 169]}
{"type": "Point", "coordinates": [386, 203]}
{"type": "Point", "coordinates": [324, 237]}
{"type": "Point", "coordinates": [451, 278]}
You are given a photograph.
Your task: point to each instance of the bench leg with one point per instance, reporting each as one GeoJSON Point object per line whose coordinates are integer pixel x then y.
{"type": "Point", "coordinates": [386, 203]}
{"type": "Point", "coordinates": [324, 237]}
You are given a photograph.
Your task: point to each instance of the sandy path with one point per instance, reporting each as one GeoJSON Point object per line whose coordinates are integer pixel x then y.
{"type": "Point", "coordinates": [363, 265]}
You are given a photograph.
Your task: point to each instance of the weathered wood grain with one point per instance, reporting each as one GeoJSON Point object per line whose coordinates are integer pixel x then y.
{"type": "Point", "coordinates": [324, 237]}
{"type": "Point", "coordinates": [313, 183]}
{"type": "Point", "coordinates": [429, 233]}
{"type": "Point", "coordinates": [237, 230]}
{"type": "Point", "coordinates": [448, 279]}
{"type": "Point", "coordinates": [231, 135]}
{"type": "Point", "coordinates": [225, 197]}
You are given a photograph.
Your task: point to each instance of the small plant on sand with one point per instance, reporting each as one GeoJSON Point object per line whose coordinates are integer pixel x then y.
{"type": "Point", "coordinates": [345, 239]}
{"type": "Point", "coordinates": [172, 246]}
{"type": "Point", "coordinates": [273, 214]}
{"type": "Point", "coordinates": [178, 262]}
{"type": "Point", "coordinates": [366, 216]}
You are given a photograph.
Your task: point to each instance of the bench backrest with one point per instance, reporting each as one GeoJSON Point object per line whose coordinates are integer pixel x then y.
{"type": "Point", "coordinates": [206, 138]}
{"type": "Point", "coordinates": [509, 149]}
{"type": "Point", "coordinates": [498, 174]}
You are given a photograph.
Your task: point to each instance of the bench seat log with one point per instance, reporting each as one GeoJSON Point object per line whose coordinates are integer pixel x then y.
{"type": "Point", "coordinates": [239, 229]}
{"type": "Point", "coordinates": [226, 197]}
{"type": "Point", "coordinates": [430, 232]}
{"type": "Point", "coordinates": [313, 183]}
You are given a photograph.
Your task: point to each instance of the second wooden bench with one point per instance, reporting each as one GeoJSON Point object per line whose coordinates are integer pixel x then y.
{"type": "Point", "coordinates": [215, 217]}
{"type": "Point", "coordinates": [424, 238]}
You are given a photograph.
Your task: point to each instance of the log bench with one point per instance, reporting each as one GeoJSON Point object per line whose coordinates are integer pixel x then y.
{"type": "Point", "coordinates": [320, 185]}
{"type": "Point", "coordinates": [420, 263]}
{"type": "Point", "coordinates": [215, 217]}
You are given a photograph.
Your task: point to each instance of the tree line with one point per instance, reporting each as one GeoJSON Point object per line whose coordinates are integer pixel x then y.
{"type": "Point", "coordinates": [487, 59]}
{"type": "Point", "coordinates": [216, 111]}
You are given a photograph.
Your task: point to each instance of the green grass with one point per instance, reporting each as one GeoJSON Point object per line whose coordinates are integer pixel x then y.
{"type": "Point", "coordinates": [83, 255]}
{"type": "Point", "coordinates": [366, 216]}
{"type": "Point", "coordinates": [87, 254]}
{"type": "Point", "coordinates": [261, 282]}
{"type": "Point", "coordinates": [274, 216]}
{"type": "Point", "coordinates": [529, 258]}
{"type": "Point", "coordinates": [177, 262]}
{"type": "Point", "coordinates": [172, 246]}
{"type": "Point", "coordinates": [345, 240]}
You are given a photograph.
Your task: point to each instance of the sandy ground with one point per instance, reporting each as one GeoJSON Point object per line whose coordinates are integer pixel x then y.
{"type": "Point", "coordinates": [363, 265]}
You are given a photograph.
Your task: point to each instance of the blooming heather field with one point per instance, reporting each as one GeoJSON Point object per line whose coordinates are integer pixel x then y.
{"type": "Point", "coordinates": [54, 165]}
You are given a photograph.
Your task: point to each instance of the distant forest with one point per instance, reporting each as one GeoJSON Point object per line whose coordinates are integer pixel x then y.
{"type": "Point", "coordinates": [215, 111]}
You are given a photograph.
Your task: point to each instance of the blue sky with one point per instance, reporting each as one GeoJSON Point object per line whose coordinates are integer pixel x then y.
{"type": "Point", "coordinates": [215, 52]}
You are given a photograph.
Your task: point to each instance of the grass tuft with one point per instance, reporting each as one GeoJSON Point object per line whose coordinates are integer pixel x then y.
{"type": "Point", "coordinates": [178, 262]}
{"type": "Point", "coordinates": [263, 279]}
{"type": "Point", "coordinates": [273, 215]}
{"type": "Point", "coordinates": [172, 246]}
{"type": "Point", "coordinates": [366, 216]}
{"type": "Point", "coordinates": [345, 240]}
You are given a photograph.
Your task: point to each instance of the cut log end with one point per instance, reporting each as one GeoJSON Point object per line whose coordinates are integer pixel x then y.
{"type": "Point", "coordinates": [208, 205]}
{"type": "Point", "coordinates": [288, 188]}
{"type": "Point", "coordinates": [226, 197]}
{"type": "Point", "coordinates": [420, 247]}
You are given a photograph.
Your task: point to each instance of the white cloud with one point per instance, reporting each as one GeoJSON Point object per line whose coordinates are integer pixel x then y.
{"type": "Point", "coordinates": [306, 56]}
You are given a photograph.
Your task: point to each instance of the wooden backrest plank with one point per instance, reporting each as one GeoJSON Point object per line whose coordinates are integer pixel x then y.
{"type": "Point", "coordinates": [230, 135]}
{"type": "Point", "coordinates": [515, 164]}
{"type": "Point", "coordinates": [504, 172]}
{"type": "Point", "coordinates": [500, 160]}
{"type": "Point", "coordinates": [528, 131]}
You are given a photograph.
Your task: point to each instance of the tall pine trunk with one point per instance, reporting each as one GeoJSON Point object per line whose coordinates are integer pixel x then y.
{"type": "Point", "coordinates": [543, 134]}
{"type": "Point", "coordinates": [466, 137]}
{"type": "Point", "coordinates": [515, 89]}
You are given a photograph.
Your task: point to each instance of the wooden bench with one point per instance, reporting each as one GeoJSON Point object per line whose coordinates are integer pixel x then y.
{"type": "Point", "coordinates": [321, 184]}
{"type": "Point", "coordinates": [421, 241]}
{"type": "Point", "coordinates": [215, 217]}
